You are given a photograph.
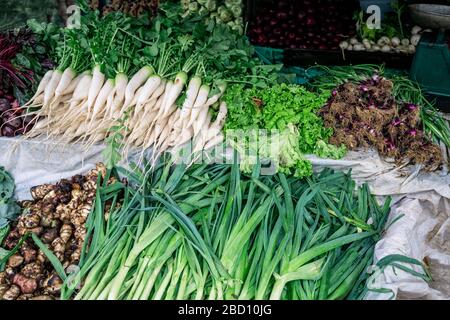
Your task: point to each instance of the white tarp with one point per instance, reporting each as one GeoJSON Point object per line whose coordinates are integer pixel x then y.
{"type": "Point", "coordinates": [423, 198]}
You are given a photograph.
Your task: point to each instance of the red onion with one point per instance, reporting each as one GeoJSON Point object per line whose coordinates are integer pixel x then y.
{"type": "Point", "coordinates": [4, 105]}
{"type": "Point", "coordinates": [411, 106]}
{"type": "Point", "coordinates": [7, 131]}
{"type": "Point", "coordinates": [396, 122]}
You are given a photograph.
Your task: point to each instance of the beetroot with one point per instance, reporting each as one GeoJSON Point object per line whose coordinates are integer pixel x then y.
{"type": "Point", "coordinates": [14, 122]}
{"type": "Point", "coordinates": [4, 105]}
{"type": "Point", "coordinates": [8, 131]}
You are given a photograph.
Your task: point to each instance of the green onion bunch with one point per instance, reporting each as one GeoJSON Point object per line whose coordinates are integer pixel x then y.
{"type": "Point", "coordinates": [212, 232]}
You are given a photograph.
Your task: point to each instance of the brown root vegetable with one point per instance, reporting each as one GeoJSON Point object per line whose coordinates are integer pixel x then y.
{"type": "Point", "coordinates": [52, 285]}
{"type": "Point", "coordinates": [33, 270]}
{"type": "Point", "coordinates": [28, 253]}
{"type": "Point", "coordinates": [9, 273]}
{"type": "Point", "coordinates": [26, 285]}
{"type": "Point", "coordinates": [3, 289]}
{"type": "Point", "coordinates": [3, 278]}
{"type": "Point", "coordinates": [49, 235]}
{"type": "Point", "coordinates": [31, 220]}
{"type": "Point", "coordinates": [75, 256]}
{"type": "Point", "coordinates": [58, 248]}
{"type": "Point", "coordinates": [57, 215]}
{"type": "Point", "coordinates": [66, 232]}
{"type": "Point", "coordinates": [25, 204]}
{"type": "Point", "coordinates": [41, 257]}
{"type": "Point", "coordinates": [12, 239]}
{"type": "Point", "coordinates": [12, 293]}
{"type": "Point", "coordinates": [64, 186]}
{"type": "Point", "coordinates": [39, 192]}
{"type": "Point", "coordinates": [15, 260]}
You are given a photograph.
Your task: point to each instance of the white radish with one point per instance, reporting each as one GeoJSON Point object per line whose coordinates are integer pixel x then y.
{"type": "Point", "coordinates": [51, 87]}
{"type": "Point", "coordinates": [216, 127]}
{"type": "Point", "coordinates": [191, 94]}
{"type": "Point", "coordinates": [150, 86]}
{"type": "Point", "coordinates": [175, 91]}
{"type": "Point", "coordinates": [82, 90]}
{"type": "Point", "coordinates": [416, 30]}
{"type": "Point", "coordinates": [213, 142]}
{"type": "Point", "coordinates": [167, 89]}
{"type": "Point", "coordinates": [101, 99]}
{"type": "Point", "coordinates": [166, 130]}
{"type": "Point", "coordinates": [367, 44]}
{"type": "Point", "coordinates": [199, 103]}
{"type": "Point", "coordinates": [41, 87]}
{"type": "Point", "coordinates": [384, 41]}
{"type": "Point", "coordinates": [72, 86]}
{"type": "Point", "coordinates": [395, 41]}
{"type": "Point", "coordinates": [216, 97]}
{"type": "Point", "coordinates": [201, 120]}
{"type": "Point", "coordinates": [136, 96]}
{"type": "Point", "coordinates": [66, 78]}
{"type": "Point", "coordinates": [358, 47]}
{"type": "Point", "coordinates": [159, 91]}
{"type": "Point", "coordinates": [98, 79]}
{"type": "Point", "coordinates": [405, 42]}
{"type": "Point", "coordinates": [376, 47]}
{"type": "Point", "coordinates": [202, 133]}
{"type": "Point", "coordinates": [221, 116]}
{"type": "Point", "coordinates": [119, 94]}
{"type": "Point", "coordinates": [385, 48]}
{"type": "Point", "coordinates": [136, 81]}
{"type": "Point", "coordinates": [343, 45]}
{"type": "Point", "coordinates": [185, 135]}
{"type": "Point", "coordinates": [110, 101]}
{"type": "Point", "coordinates": [415, 39]}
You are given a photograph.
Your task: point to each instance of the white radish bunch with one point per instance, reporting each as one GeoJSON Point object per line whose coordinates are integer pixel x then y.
{"type": "Point", "coordinates": [386, 44]}
{"type": "Point", "coordinates": [83, 107]}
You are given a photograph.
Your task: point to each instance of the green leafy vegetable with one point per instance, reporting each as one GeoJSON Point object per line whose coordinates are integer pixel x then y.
{"type": "Point", "coordinates": [289, 109]}
{"type": "Point", "coordinates": [8, 207]}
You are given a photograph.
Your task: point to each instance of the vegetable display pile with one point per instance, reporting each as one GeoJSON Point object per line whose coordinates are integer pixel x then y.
{"type": "Point", "coordinates": [292, 110]}
{"type": "Point", "coordinates": [23, 61]}
{"type": "Point", "coordinates": [229, 12]}
{"type": "Point", "coordinates": [210, 232]}
{"type": "Point", "coordinates": [47, 239]}
{"type": "Point", "coordinates": [366, 114]}
{"type": "Point", "coordinates": [161, 77]}
{"type": "Point", "coordinates": [305, 24]}
{"type": "Point", "coordinates": [394, 44]}
{"type": "Point", "coordinates": [392, 36]}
